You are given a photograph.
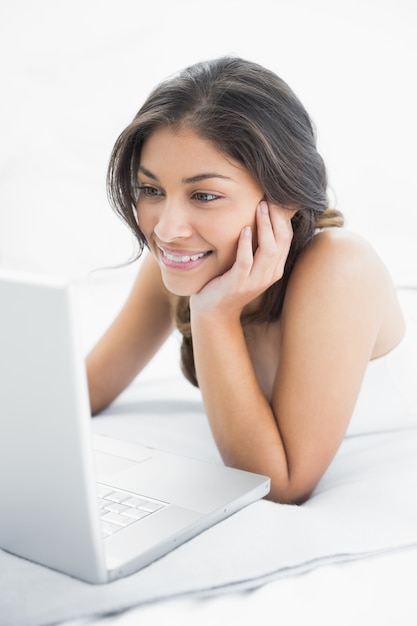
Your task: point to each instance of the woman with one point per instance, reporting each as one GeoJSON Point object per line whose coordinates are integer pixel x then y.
{"type": "Point", "coordinates": [281, 310]}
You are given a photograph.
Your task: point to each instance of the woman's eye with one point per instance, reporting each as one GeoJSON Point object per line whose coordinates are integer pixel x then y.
{"type": "Point", "coordinates": [202, 196]}
{"type": "Point", "coordinates": [149, 191]}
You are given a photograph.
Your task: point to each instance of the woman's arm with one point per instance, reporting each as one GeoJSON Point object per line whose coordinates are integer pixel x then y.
{"type": "Point", "coordinates": [335, 306]}
{"type": "Point", "coordinates": [138, 331]}
{"type": "Point", "coordinates": [340, 311]}
{"type": "Point", "coordinates": [241, 419]}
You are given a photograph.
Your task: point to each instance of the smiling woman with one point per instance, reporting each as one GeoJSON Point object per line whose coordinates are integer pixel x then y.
{"type": "Point", "coordinates": [192, 207]}
{"type": "Point", "coordinates": [218, 175]}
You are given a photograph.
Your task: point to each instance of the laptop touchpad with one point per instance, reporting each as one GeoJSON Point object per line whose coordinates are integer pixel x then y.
{"type": "Point", "coordinates": [110, 464]}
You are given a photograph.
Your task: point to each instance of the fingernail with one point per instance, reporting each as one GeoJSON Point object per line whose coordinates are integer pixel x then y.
{"type": "Point", "coordinates": [246, 232]}
{"type": "Point", "coordinates": [263, 207]}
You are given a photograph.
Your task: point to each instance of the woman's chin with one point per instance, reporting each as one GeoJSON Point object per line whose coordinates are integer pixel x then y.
{"type": "Point", "coordinates": [178, 288]}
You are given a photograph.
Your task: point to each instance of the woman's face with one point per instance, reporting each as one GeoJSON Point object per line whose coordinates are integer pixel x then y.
{"type": "Point", "coordinates": [193, 204]}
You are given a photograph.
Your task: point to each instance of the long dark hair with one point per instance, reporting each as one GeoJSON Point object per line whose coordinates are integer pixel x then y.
{"type": "Point", "coordinates": [251, 115]}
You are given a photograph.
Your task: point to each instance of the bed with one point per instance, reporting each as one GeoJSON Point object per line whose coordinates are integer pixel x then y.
{"type": "Point", "coordinates": [349, 553]}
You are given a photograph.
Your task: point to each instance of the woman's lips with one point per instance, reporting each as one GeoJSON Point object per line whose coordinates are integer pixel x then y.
{"type": "Point", "coordinates": [181, 259]}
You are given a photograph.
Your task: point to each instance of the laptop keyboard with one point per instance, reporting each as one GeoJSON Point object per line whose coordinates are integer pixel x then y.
{"type": "Point", "coordinates": [119, 509]}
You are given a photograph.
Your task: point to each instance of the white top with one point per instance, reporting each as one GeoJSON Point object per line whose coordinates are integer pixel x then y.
{"type": "Point", "coordinates": [388, 397]}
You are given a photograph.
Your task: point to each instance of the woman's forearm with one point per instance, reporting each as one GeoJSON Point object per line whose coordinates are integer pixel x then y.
{"type": "Point", "coordinates": [241, 419]}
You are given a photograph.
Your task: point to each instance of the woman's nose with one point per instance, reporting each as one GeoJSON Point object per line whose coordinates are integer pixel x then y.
{"type": "Point", "coordinates": [172, 223]}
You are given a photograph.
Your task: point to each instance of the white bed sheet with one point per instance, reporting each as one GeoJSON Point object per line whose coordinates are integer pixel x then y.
{"type": "Point", "coordinates": [378, 590]}
{"type": "Point", "coordinates": [365, 508]}
{"type": "Point", "coordinates": [268, 559]}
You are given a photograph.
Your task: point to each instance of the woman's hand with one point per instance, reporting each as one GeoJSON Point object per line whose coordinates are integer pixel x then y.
{"type": "Point", "coordinates": [253, 271]}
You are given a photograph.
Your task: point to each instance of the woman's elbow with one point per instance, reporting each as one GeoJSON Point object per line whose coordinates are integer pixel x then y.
{"type": "Point", "coordinates": [290, 492]}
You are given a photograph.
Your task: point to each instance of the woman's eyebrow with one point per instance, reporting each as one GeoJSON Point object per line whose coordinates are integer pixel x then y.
{"type": "Point", "coordinates": [147, 173]}
{"type": "Point", "coordinates": [186, 181]}
{"type": "Point", "coordinates": [199, 177]}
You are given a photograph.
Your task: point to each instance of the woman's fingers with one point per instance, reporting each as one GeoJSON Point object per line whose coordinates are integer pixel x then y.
{"type": "Point", "coordinates": [274, 239]}
{"type": "Point", "coordinates": [252, 273]}
{"type": "Point", "coordinates": [244, 253]}
{"type": "Point", "coordinates": [274, 236]}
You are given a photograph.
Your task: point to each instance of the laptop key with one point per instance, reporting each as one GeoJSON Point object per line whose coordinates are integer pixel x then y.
{"type": "Point", "coordinates": [119, 509]}
{"type": "Point", "coordinates": [118, 496]}
{"type": "Point", "coordinates": [102, 503]}
{"type": "Point", "coordinates": [135, 502]}
{"type": "Point", "coordinates": [115, 518]}
{"type": "Point", "coordinates": [107, 528]}
{"type": "Point", "coordinates": [115, 507]}
{"type": "Point", "coordinates": [151, 506]}
{"type": "Point", "coordinates": [136, 514]}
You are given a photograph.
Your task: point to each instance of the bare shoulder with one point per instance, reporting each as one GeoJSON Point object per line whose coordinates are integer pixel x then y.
{"type": "Point", "coordinates": [337, 259]}
{"type": "Point", "coordinates": [337, 251]}
{"type": "Point", "coordinates": [339, 276]}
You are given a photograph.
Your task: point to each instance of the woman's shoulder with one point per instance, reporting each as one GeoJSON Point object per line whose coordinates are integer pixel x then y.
{"type": "Point", "coordinates": [340, 243]}
{"type": "Point", "coordinates": [339, 279]}
{"type": "Point", "coordinates": [338, 264]}
{"type": "Point", "coordinates": [340, 253]}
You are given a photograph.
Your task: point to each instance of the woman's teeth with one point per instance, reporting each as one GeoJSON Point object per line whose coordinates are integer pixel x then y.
{"type": "Point", "coordinates": [175, 258]}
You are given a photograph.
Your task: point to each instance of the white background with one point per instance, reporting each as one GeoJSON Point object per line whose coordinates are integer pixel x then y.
{"type": "Point", "coordinates": [74, 73]}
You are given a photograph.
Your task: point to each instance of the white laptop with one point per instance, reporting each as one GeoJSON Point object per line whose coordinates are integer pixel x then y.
{"type": "Point", "coordinates": [90, 506]}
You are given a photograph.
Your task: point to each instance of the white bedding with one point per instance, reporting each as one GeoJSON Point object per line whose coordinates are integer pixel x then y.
{"type": "Point", "coordinates": [365, 506]}
{"type": "Point", "coordinates": [373, 591]}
